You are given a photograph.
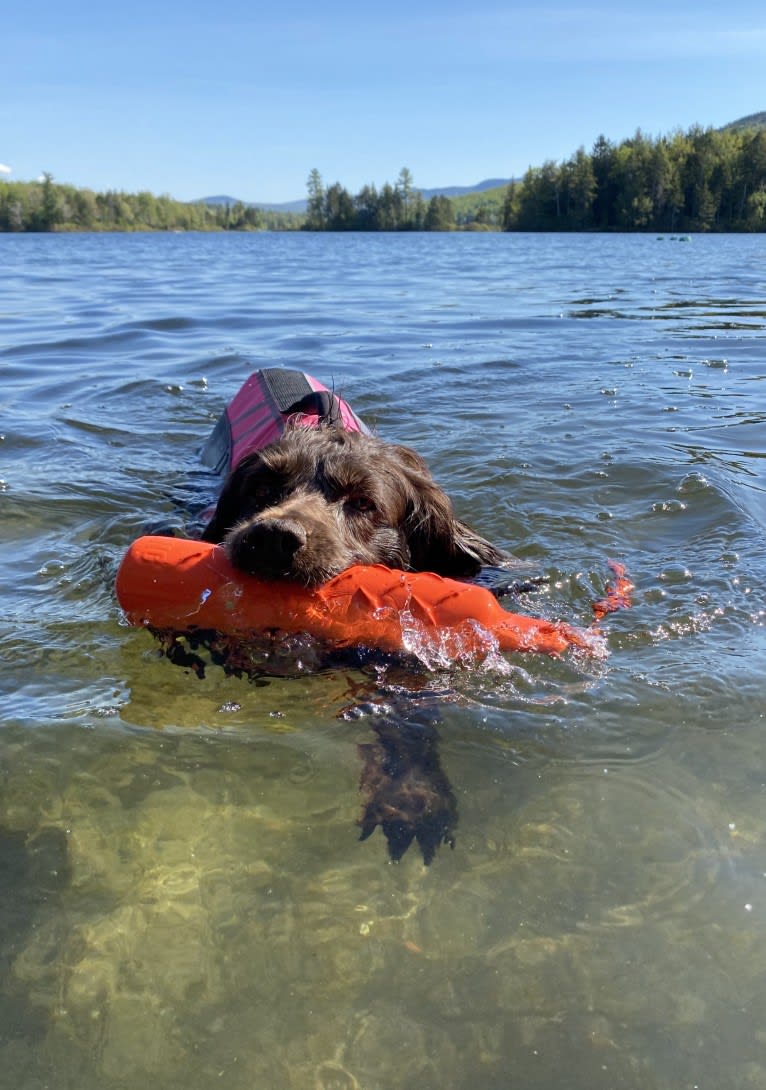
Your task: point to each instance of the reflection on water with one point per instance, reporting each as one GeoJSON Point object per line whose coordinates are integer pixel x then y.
{"type": "Point", "coordinates": [184, 899]}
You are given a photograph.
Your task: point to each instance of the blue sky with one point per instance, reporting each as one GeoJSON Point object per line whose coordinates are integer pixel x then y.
{"type": "Point", "coordinates": [192, 99]}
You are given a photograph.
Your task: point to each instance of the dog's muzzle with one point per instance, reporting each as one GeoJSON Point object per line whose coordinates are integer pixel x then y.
{"type": "Point", "coordinates": [267, 547]}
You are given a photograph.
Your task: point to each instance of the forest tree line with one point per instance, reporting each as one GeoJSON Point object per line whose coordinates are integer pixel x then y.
{"type": "Point", "coordinates": [699, 180]}
{"type": "Point", "coordinates": [399, 207]}
{"type": "Point", "coordinates": [49, 206]}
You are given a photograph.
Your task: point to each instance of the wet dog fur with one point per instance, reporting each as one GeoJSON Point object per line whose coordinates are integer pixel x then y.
{"type": "Point", "coordinates": [320, 499]}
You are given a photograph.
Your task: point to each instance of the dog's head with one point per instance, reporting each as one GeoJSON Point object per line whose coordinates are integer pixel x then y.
{"type": "Point", "coordinates": [321, 499]}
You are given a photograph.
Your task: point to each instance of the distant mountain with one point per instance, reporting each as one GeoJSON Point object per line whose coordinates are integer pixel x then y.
{"type": "Point", "coordinates": [300, 206]}
{"type": "Point", "coordinates": [285, 206]}
{"type": "Point", "coordinates": [462, 190]}
{"type": "Point", "coordinates": [752, 121]}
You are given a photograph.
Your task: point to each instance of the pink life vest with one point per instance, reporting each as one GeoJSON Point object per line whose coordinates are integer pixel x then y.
{"type": "Point", "coordinates": [267, 402]}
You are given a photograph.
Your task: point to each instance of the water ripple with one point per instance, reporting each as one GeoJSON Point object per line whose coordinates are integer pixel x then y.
{"type": "Point", "coordinates": [183, 852]}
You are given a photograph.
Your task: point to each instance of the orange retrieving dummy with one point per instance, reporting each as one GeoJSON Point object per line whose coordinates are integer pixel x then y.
{"type": "Point", "coordinates": [181, 585]}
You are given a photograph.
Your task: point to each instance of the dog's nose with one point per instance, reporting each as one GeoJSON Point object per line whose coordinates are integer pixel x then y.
{"type": "Point", "coordinates": [268, 547]}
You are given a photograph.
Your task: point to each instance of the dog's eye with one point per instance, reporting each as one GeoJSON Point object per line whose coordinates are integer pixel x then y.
{"type": "Point", "coordinates": [264, 494]}
{"type": "Point", "coordinates": [360, 505]}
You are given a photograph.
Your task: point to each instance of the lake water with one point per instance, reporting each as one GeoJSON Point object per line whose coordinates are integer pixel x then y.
{"type": "Point", "coordinates": [184, 901]}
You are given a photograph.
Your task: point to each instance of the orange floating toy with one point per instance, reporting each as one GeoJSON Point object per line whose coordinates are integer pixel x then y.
{"type": "Point", "coordinates": [175, 584]}
{"type": "Point", "coordinates": [618, 593]}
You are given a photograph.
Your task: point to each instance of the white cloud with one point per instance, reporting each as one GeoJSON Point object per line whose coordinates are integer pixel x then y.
{"type": "Point", "coordinates": [4, 169]}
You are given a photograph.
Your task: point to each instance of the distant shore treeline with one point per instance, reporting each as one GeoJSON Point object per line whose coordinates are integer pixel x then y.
{"type": "Point", "coordinates": [48, 206]}
{"type": "Point", "coordinates": [399, 207]}
{"type": "Point", "coordinates": [699, 180]}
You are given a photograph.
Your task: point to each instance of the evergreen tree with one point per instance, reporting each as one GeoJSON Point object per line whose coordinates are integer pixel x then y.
{"type": "Point", "coordinates": [315, 208]}
{"type": "Point", "coordinates": [602, 159]}
{"type": "Point", "coordinates": [50, 212]}
{"type": "Point", "coordinates": [510, 207]}
{"type": "Point", "coordinates": [406, 191]}
{"type": "Point", "coordinates": [751, 172]}
{"type": "Point", "coordinates": [367, 203]}
{"type": "Point", "coordinates": [579, 183]}
{"type": "Point", "coordinates": [440, 215]}
{"type": "Point", "coordinates": [339, 209]}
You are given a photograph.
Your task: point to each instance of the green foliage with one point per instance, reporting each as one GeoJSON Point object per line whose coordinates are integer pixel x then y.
{"type": "Point", "coordinates": [49, 212]}
{"type": "Point", "coordinates": [46, 206]}
{"type": "Point", "coordinates": [701, 180]}
{"type": "Point", "coordinates": [439, 215]}
{"type": "Point", "coordinates": [480, 211]}
{"type": "Point", "coordinates": [315, 211]}
{"type": "Point", "coordinates": [397, 207]}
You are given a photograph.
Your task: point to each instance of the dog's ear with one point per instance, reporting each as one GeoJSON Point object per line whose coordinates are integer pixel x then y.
{"type": "Point", "coordinates": [447, 546]}
{"type": "Point", "coordinates": [472, 550]}
{"type": "Point", "coordinates": [437, 541]}
{"type": "Point", "coordinates": [215, 530]}
{"type": "Point", "coordinates": [240, 492]}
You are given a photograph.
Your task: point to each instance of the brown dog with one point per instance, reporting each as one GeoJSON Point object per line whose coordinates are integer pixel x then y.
{"type": "Point", "coordinates": [320, 499]}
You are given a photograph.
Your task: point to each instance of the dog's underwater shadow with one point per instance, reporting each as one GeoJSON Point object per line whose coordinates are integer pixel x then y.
{"type": "Point", "coordinates": [403, 787]}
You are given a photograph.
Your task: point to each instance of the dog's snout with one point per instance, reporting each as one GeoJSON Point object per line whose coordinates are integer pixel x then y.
{"type": "Point", "coordinates": [279, 537]}
{"type": "Point", "coordinates": [268, 546]}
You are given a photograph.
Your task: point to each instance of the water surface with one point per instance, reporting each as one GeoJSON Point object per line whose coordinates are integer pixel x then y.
{"type": "Point", "coordinates": [183, 899]}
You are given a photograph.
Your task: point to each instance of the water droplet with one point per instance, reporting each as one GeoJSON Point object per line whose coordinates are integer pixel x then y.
{"type": "Point", "coordinates": [693, 483]}
{"type": "Point", "coordinates": [667, 506]}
